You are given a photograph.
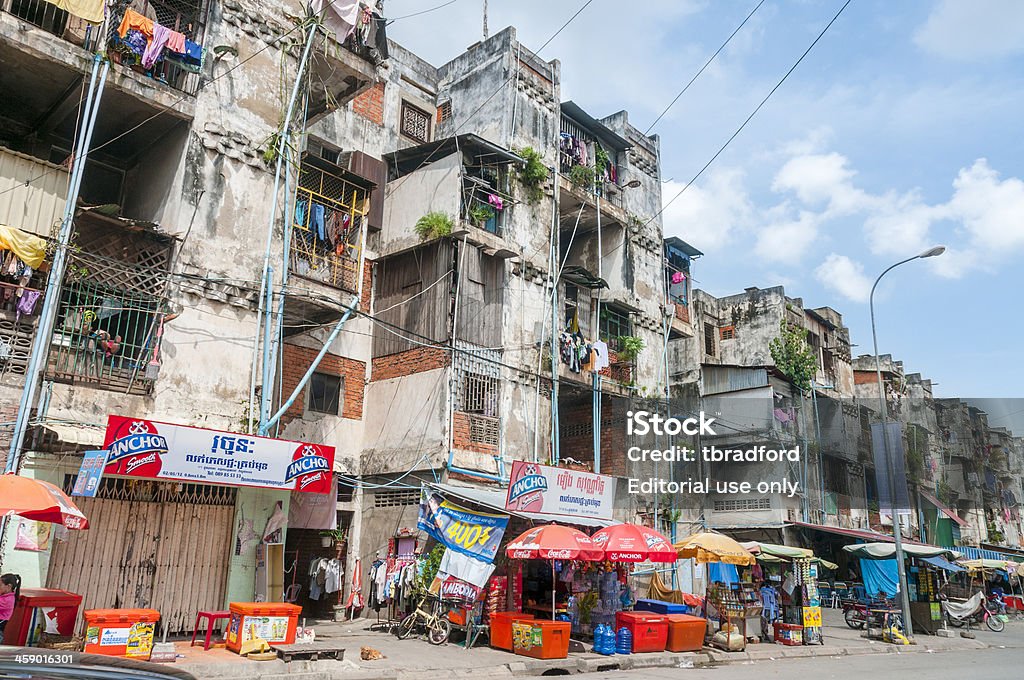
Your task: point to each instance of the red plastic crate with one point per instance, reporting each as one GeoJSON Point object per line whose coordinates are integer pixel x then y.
{"type": "Point", "coordinates": [650, 631]}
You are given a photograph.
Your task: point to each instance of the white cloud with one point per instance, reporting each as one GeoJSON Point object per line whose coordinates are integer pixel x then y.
{"type": "Point", "coordinates": [708, 216]}
{"type": "Point", "coordinates": [979, 29]}
{"type": "Point", "coordinates": [788, 240]}
{"type": "Point", "coordinates": [821, 178]}
{"type": "Point", "coordinates": [846, 277]}
{"type": "Point", "coordinates": [991, 210]}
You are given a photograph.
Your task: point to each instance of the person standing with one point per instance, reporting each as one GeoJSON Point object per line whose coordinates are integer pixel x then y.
{"type": "Point", "coordinates": [10, 588]}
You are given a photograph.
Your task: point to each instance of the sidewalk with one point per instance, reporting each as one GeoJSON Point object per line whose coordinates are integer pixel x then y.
{"type": "Point", "coordinates": [415, 658]}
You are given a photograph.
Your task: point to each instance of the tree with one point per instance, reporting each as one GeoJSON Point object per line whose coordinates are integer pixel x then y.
{"type": "Point", "coordinates": [794, 357]}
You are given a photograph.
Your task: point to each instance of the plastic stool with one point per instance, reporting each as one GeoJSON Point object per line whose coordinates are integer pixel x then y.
{"type": "Point", "coordinates": [211, 621]}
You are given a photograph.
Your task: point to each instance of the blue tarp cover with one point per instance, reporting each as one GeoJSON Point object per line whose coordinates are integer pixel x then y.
{"type": "Point", "coordinates": [942, 563]}
{"type": "Point", "coordinates": [723, 573]}
{"type": "Point", "coordinates": [879, 576]}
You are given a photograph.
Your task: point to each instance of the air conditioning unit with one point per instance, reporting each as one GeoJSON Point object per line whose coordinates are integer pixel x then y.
{"type": "Point", "coordinates": [668, 310]}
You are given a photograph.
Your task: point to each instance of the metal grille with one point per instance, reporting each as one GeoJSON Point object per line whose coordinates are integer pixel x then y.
{"type": "Point", "coordinates": [743, 504]}
{"type": "Point", "coordinates": [415, 123]}
{"type": "Point", "coordinates": [394, 498]}
{"type": "Point", "coordinates": [444, 111]}
{"type": "Point", "coordinates": [183, 16]}
{"type": "Point", "coordinates": [327, 229]}
{"type": "Point", "coordinates": [105, 337]}
{"type": "Point", "coordinates": [40, 13]}
{"type": "Point", "coordinates": [614, 325]}
{"type": "Point", "coordinates": [484, 429]}
{"type": "Point", "coordinates": [148, 491]}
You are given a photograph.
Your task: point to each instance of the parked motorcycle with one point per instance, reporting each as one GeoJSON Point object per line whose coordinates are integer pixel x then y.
{"type": "Point", "coordinates": [855, 614]}
{"type": "Point", "coordinates": [976, 610]}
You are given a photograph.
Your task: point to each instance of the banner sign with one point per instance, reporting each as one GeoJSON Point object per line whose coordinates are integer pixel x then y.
{"type": "Point", "coordinates": [558, 491]}
{"type": "Point", "coordinates": [147, 448]}
{"type": "Point", "coordinates": [90, 474]}
{"type": "Point", "coordinates": [452, 588]}
{"type": "Point", "coordinates": [477, 534]}
{"type": "Point", "coordinates": [890, 440]}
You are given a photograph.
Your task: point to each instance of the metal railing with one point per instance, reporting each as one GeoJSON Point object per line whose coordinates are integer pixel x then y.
{"type": "Point", "coordinates": [327, 227]}
{"type": "Point", "coordinates": [106, 337]}
{"type": "Point", "coordinates": [52, 19]}
{"type": "Point", "coordinates": [182, 16]}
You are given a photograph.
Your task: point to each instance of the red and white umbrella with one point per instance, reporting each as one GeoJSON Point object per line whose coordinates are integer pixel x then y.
{"type": "Point", "coordinates": [634, 543]}
{"type": "Point", "coordinates": [38, 500]}
{"type": "Point", "coordinates": [553, 542]}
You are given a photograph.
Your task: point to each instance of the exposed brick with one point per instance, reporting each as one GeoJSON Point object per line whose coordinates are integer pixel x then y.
{"type": "Point", "coordinates": [364, 302]}
{"type": "Point", "coordinates": [370, 104]}
{"type": "Point", "coordinates": [297, 361]}
{"type": "Point", "coordinates": [461, 438]}
{"type": "Point", "coordinates": [411, 361]}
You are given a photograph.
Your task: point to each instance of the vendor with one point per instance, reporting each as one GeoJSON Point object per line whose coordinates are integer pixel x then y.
{"type": "Point", "coordinates": [10, 588]}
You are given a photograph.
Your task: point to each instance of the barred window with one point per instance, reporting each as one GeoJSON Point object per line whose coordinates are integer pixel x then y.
{"type": "Point", "coordinates": [742, 504]}
{"type": "Point", "coordinates": [479, 394]}
{"type": "Point", "coordinates": [444, 111]}
{"type": "Point", "coordinates": [727, 332]}
{"type": "Point", "coordinates": [415, 123]}
{"type": "Point", "coordinates": [393, 498]}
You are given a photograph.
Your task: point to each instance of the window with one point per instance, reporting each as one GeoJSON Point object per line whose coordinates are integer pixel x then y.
{"type": "Point", "coordinates": [324, 394]}
{"type": "Point", "coordinates": [727, 332]}
{"type": "Point", "coordinates": [479, 394]}
{"type": "Point", "coordinates": [444, 111]}
{"type": "Point", "coordinates": [614, 325]}
{"type": "Point", "coordinates": [346, 492]}
{"type": "Point", "coordinates": [709, 339]}
{"type": "Point", "coordinates": [572, 319]}
{"type": "Point", "coordinates": [396, 498]}
{"type": "Point", "coordinates": [415, 123]}
{"type": "Point", "coordinates": [743, 504]}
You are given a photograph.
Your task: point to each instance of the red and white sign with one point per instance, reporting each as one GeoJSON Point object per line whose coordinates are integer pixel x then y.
{"type": "Point", "coordinates": [155, 450]}
{"type": "Point", "coordinates": [533, 487]}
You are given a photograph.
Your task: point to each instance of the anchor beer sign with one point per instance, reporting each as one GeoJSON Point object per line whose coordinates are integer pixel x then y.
{"type": "Point", "coordinates": [146, 448]}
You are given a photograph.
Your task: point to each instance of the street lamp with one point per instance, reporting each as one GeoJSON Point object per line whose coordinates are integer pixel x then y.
{"type": "Point", "coordinates": [901, 568]}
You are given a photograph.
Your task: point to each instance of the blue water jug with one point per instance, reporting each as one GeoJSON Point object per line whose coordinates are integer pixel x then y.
{"type": "Point", "coordinates": [599, 639]}
{"type": "Point", "coordinates": [624, 641]}
{"type": "Point", "coordinates": [609, 640]}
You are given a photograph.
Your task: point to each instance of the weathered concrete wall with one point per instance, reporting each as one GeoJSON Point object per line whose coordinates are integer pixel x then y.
{"type": "Point", "coordinates": [255, 505]}
{"type": "Point", "coordinates": [406, 423]}
{"type": "Point", "coordinates": [434, 188]}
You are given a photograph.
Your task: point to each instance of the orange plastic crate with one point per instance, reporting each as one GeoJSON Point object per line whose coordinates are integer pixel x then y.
{"type": "Point", "coordinates": [120, 632]}
{"type": "Point", "coordinates": [274, 622]}
{"type": "Point", "coordinates": [685, 633]}
{"type": "Point", "coordinates": [554, 639]}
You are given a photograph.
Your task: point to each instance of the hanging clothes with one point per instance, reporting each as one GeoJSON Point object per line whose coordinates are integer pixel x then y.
{"type": "Point", "coordinates": [161, 34]}
{"type": "Point", "coordinates": [27, 304]}
{"type": "Point", "coordinates": [333, 573]}
{"type": "Point", "coordinates": [317, 221]}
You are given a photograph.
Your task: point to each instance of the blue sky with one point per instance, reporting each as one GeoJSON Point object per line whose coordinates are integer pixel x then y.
{"type": "Point", "coordinates": [901, 129]}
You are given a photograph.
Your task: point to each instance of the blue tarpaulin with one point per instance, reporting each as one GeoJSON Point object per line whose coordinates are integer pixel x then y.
{"type": "Point", "coordinates": [942, 563]}
{"type": "Point", "coordinates": [879, 576]}
{"type": "Point", "coordinates": [723, 573]}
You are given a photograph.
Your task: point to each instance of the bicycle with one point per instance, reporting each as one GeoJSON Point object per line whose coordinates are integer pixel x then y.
{"type": "Point", "coordinates": [434, 622]}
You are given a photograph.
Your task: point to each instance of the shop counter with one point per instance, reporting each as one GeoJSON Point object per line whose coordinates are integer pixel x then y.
{"type": "Point", "coordinates": [39, 612]}
{"type": "Point", "coordinates": [501, 628]}
{"type": "Point", "coordinates": [685, 633]}
{"type": "Point", "coordinates": [120, 632]}
{"type": "Point", "coordinates": [273, 622]}
{"type": "Point", "coordinates": [650, 631]}
{"type": "Point", "coordinates": [541, 639]}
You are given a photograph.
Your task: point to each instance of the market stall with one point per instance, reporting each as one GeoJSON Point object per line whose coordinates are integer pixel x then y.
{"type": "Point", "coordinates": [729, 606]}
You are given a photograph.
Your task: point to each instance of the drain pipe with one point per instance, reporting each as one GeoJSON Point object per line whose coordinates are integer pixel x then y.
{"type": "Point", "coordinates": [270, 422]}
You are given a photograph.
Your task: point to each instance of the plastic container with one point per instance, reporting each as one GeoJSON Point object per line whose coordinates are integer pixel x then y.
{"type": "Point", "coordinates": [120, 632]}
{"type": "Point", "coordinates": [501, 628]}
{"type": "Point", "coordinates": [789, 634]}
{"type": "Point", "coordinates": [650, 631]}
{"type": "Point", "coordinates": [540, 639]}
{"type": "Point", "coordinates": [685, 633]}
{"type": "Point", "coordinates": [660, 607]}
{"type": "Point", "coordinates": [624, 641]}
{"type": "Point", "coordinates": [39, 611]}
{"type": "Point", "coordinates": [273, 622]}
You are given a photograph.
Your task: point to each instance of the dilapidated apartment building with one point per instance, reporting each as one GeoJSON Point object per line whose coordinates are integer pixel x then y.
{"type": "Point", "coordinates": [475, 232]}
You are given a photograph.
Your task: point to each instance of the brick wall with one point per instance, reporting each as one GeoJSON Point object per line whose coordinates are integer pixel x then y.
{"type": "Point", "coordinates": [370, 104]}
{"type": "Point", "coordinates": [408, 362]}
{"type": "Point", "coordinates": [682, 312]}
{"type": "Point", "coordinates": [462, 438]}
{"type": "Point", "coordinates": [297, 361]}
{"type": "Point", "coordinates": [576, 440]}
{"type": "Point", "coordinates": [364, 301]}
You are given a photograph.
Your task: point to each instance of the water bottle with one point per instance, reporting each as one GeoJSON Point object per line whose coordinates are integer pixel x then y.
{"type": "Point", "coordinates": [609, 640]}
{"type": "Point", "coordinates": [624, 641]}
{"type": "Point", "coordinates": [599, 639]}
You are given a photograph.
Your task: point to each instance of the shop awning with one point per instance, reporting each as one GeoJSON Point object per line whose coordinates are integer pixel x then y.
{"type": "Point", "coordinates": [887, 551]}
{"type": "Point", "coordinates": [74, 434]}
{"type": "Point", "coordinates": [862, 534]}
{"type": "Point", "coordinates": [786, 551]}
{"type": "Point", "coordinates": [495, 500]}
{"type": "Point", "coordinates": [942, 563]}
{"type": "Point", "coordinates": [943, 509]}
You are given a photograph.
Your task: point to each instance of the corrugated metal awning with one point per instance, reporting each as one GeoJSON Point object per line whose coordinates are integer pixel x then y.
{"type": "Point", "coordinates": [943, 509]}
{"type": "Point", "coordinates": [75, 435]}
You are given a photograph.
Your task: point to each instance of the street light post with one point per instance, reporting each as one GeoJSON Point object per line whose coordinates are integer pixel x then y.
{"type": "Point", "coordinates": [901, 568]}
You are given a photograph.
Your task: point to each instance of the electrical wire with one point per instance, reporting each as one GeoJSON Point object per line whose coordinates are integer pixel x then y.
{"type": "Point", "coordinates": [702, 68]}
{"type": "Point", "coordinates": [425, 11]}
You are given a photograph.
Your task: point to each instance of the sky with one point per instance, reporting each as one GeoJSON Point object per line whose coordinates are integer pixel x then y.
{"type": "Point", "coordinates": [900, 130]}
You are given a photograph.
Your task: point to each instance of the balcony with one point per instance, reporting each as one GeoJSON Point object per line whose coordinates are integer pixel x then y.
{"type": "Point", "coordinates": [678, 256]}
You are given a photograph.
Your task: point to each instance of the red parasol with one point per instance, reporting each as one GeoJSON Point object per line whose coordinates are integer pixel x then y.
{"type": "Point", "coordinates": [554, 542]}
{"type": "Point", "coordinates": [634, 543]}
{"type": "Point", "coordinates": [39, 501]}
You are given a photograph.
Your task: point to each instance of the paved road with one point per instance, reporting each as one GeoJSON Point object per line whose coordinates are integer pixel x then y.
{"type": "Point", "coordinates": [961, 665]}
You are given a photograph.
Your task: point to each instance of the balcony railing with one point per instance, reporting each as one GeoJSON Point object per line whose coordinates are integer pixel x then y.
{"type": "Point", "coordinates": [52, 19]}
{"type": "Point", "coordinates": [327, 228]}
{"type": "Point", "coordinates": [181, 16]}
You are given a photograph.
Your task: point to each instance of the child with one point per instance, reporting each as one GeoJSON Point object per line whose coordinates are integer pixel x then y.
{"type": "Point", "coordinates": [10, 588]}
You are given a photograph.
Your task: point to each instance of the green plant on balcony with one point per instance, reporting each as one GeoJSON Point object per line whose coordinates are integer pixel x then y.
{"type": "Point", "coordinates": [479, 214]}
{"type": "Point", "coordinates": [630, 347]}
{"type": "Point", "coordinates": [434, 225]}
{"type": "Point", "coordinates": [601, 161]}
{"type": "Point", "coordinates": [533, 174]}
{"type": "Point", "coordinates": [582, 176]}
{"type": "Point", "coordinates": [794, 356]}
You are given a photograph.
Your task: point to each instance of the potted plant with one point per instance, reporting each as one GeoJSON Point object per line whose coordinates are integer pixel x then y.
{"type": "Point", "coordinates": [630, 347]}
{"type": "Point", "coordinates": [329, 537]}
{"type": "Point", "coordinates": [433, 225]}
{"type": "Point", "coordinates": [479, 214]}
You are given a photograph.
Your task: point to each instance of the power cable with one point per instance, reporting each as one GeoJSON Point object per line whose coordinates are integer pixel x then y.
{"type": "Point", "coordinates": [425, 11]}
{"type": "Point", "coordinates": [702, 68]}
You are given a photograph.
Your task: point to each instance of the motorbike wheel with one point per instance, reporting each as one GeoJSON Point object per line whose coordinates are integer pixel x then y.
{"type": "Point", "coordinates": [853, 619]}
{"type": "Point", "coordinates": [439, 632]}
{"type": "Point", "coordinates": [406, 627]}
{"type": "Point", "coordinates": [955, 622]}
{"type": "Point", "coordinates": [994, 623]}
